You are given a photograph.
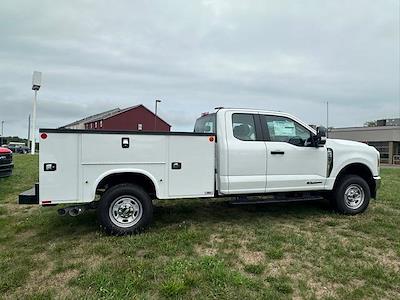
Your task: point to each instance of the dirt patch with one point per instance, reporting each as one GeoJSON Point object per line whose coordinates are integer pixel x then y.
{"type": "Point", "coordinates": [328, 289]}
{"type": "Point", "coordinates": [40, 257]}
{"type": "Point", "coordinates": [40, 280]}
{"type": "Point", "coordinates": [14, 209]}
{"type": "Point", "coordinates": [277, 267]}
{"type": "Point", "coordinates": [251, 257]}
{"type": "Point", "coordinates": [288, 265]}
{"type": "Point", "coordinates": [215, 239]}
{"type": "Point", "coordinates": [141, 253]}
{"type": "Point", "coordinates": [65, 276]}
{"type": "Point", "coordinates": [388, 259]}
{"type": "Point", "coordinates": [304, 271]}
{"type": "Point", "coordinates": [324, 290]}
{"type": "Point", "coordinates": [46, 277]}
{"type": "Point", "coordinates": [205, 251]}
{"type": "Point", "coordinates": [211, 248]}
{"type": "Point", "coordinates": [284, 227]}
{"type": "Point", "coordinates": [27, 234]}
{"type": "Point", "coordinates": [92, 262]}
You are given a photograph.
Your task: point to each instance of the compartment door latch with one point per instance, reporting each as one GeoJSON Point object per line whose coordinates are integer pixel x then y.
{"type": "Point", "coordinates": [125, 142]}
{"type": "Point", "coordinates": [176, 165]}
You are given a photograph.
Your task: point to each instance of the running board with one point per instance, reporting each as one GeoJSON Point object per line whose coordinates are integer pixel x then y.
{"type": "Point", "coordinates": [245, 200]}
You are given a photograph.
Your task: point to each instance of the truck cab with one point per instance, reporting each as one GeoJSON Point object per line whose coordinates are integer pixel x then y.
{"type": "Point", "coordinates": [264, 152]}
{"type": "Point", "coordinates": [268, 152]}
{"type": "Point", "coordinates": [231, 153]}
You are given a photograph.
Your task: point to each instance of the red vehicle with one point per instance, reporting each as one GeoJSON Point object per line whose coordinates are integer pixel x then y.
{"type": "Point", "coordinates": [6, 163]}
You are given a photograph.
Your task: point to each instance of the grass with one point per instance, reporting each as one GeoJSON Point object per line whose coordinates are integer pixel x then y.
{"type": "Point", "coordinates": [201, 249]}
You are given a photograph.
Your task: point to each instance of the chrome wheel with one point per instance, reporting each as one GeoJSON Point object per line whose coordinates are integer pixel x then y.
{"type": "Point", "coordinates": [354, 196]}
{"type": "Point", "coordinates": [125, 211]}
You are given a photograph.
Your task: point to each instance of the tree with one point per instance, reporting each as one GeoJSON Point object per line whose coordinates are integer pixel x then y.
{"type": "Point", "coordinates": [370, 124]}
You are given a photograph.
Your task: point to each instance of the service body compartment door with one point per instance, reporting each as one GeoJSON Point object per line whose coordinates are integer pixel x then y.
{"type": "Point", "coordinates": [104, 153]}
{"type": "Point", "coordinates": [60, 184]}
{"type": "Point", "coordinates": [191, 166]}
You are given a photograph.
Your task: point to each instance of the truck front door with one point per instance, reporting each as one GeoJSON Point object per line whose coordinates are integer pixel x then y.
{"type": "Point", "coordinates": [292, 165]}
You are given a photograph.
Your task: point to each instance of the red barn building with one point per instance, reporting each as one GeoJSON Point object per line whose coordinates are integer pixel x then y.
{"type": "Point", "coordinates": [136, 117]}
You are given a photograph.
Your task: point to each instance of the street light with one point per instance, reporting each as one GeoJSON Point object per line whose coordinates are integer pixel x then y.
{"type": "Point", "coordinates": [155, 116]}
{"type": "Point", "coordinates": [36, 83]}
{"type": "Point", "coordinates": [327, 118]}
{"type": "Point", "coordinates": [2, 133]}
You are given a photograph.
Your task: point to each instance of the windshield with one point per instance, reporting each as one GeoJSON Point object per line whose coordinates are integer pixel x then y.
{"type": "Point", "coordinates": [205, 124]}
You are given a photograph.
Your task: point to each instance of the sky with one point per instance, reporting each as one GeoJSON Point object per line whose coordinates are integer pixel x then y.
{"type": "Point", "coordinates": [290, 56]}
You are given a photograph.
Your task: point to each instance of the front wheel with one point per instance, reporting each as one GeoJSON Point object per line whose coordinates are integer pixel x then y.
{"type": "Point", "coordinates": [351, 195]}
{"type": "Point", "coordinates": [125, 209]}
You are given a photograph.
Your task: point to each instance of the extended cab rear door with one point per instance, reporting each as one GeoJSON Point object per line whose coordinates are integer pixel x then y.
{"type": "Point", "coordinates": [291, 164]}
{"type": "Point", "coordinates": [246, 151]}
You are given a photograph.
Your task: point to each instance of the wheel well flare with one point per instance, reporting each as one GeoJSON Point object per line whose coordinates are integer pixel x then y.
{"type": "Point", "coordinates": [127, 177]}
{"type": "Point", "coordinates": [360, 170]}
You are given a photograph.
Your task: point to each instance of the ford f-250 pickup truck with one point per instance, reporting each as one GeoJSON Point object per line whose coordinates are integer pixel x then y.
{"type": "Point", "coordinates": [232, 152]}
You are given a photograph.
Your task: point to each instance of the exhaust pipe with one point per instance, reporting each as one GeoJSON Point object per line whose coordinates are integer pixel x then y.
{"type": "Point", "coordinates": [73, 211]}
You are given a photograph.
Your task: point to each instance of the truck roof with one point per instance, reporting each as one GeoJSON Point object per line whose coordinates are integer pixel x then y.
{"type": "Point", "coordinates": [262, 111]}
{"type": "Point", "coordinates": [250, 109]}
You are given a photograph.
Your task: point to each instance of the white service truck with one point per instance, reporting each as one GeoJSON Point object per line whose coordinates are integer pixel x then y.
{"type": "Point", "coordinates": [232, 152]}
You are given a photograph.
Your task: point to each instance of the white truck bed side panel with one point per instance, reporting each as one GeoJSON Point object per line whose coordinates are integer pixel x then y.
{"type": "Point", "coordinates": [196, 176]}
{"type": "Point", "coordinates": [84, 159]}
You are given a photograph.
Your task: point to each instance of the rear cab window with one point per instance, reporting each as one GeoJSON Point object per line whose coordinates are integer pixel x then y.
{"type": "Point", "coordinates": [206, 124]}
{"type": "Point", "coordinates": [243, 126]}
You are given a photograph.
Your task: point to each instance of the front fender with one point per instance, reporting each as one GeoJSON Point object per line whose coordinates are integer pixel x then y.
{"type": "Point", "coordinates": [340, 164]}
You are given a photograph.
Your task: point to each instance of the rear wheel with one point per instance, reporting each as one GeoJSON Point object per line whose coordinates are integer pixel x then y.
{"type": "Point", "coordinates": [125, 209]}
{"type": "Point", "coordinates": [351, 195]}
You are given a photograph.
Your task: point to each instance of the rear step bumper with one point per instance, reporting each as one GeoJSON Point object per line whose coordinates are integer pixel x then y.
{"type": "Point", "coordinates": [30, 196]}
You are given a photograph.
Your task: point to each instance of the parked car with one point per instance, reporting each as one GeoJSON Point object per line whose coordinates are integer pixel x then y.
{"type": "Point", "coordinates": [232, 152]}
{"type": "Point", "coordinates": [21, 149]}
{"type": "Point", "coordinates": [6, 162]}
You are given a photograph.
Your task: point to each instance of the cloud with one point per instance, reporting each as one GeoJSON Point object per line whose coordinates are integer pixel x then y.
{"type": "Point", "coordinates": [196, 55]}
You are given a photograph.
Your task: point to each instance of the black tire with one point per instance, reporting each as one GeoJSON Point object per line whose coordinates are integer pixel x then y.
{"type": "Point", "coordinates": [343, 203]}
{"type": "Point", "coordinates": [117, 196]}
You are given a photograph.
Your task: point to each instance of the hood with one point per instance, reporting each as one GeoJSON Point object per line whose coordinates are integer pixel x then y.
{"type": "Point", "coordinates": [5, 150]}
{"type": "Point", "coordinates": [349, 144]}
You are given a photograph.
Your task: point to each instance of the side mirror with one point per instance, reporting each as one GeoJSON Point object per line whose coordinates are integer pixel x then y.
{"type": "Point", "coordinates": [297, 141]}
{"type": "Point", "coordinates": [321, 131]}
{"type": "Point", "coordinates": [320, 138]}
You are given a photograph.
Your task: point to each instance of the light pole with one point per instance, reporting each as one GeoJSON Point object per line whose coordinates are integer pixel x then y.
{"type": "Point", "coordinates": [2, 133]}
{"type": "Point", "coordinates": [155, 116]}
{"type": "Point", "coordinates": [36, 83]}
{"type": "Point", "coordinates": [327, 118]}
{"type": "Point", "coordinates": [29, 130]}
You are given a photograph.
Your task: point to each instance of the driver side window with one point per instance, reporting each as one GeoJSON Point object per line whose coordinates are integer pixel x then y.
{"type": "Point", "coordinates": [282, 129]}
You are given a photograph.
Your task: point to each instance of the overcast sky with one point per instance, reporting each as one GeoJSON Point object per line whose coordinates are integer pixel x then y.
{"type": "Point", "coordinates": [195, 55]}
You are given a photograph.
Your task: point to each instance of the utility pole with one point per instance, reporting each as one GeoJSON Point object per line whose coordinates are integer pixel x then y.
{"type": "Point", "coordinates": [155, 116]}
{"type": "Point", "coordinates": [29, 130]}
{"type": "Point", "coordinates": [36, 83]}
{"type": "Point", "coordinates": [327, 118]}
{"type": "Point", "coordinates": [2, 133]}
